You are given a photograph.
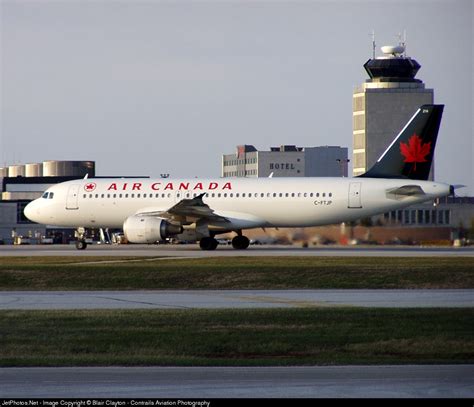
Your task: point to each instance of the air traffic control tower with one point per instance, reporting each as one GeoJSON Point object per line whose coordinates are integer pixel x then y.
{"type": "Point", "coordinates": [384, 103]}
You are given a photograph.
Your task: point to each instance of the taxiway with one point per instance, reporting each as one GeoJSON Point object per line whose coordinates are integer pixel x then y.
{"type": "Point", "coordinates": [192, 251]}
{"type": "Point", "coordinates": [214, 299]}
{"type": "Point", "coordinates": [430, 381]}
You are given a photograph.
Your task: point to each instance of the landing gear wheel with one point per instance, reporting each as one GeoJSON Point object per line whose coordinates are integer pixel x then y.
{"type": "Point", "coordinates": [208, 243]}
{"type": "Point", "coordinates": [240, 242]}
{"type": "Point", "coordinates": [81, 244]}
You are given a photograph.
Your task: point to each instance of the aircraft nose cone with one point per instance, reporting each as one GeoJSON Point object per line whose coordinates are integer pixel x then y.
{"type": "Point", "coordinates": [30, 211]}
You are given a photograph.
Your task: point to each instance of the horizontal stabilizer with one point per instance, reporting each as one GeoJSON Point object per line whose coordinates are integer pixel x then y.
{"type": "Point", "coordinates": [407, 190]}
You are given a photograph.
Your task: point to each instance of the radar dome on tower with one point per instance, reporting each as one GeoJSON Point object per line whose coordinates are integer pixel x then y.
{"type": "Point", "coordinates": [394, 50]}
{"type": "Point", "coordinates": [392, 66]}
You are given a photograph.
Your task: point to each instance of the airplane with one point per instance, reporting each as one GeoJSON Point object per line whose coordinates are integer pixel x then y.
{"type": "Point", "coordinates": [150, 210]}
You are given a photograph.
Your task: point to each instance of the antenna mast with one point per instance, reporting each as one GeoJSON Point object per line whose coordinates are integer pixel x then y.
{"type": "Point", "coordinates": [402, 41]}
{"type": "Point", "coordinates": [373, 44]}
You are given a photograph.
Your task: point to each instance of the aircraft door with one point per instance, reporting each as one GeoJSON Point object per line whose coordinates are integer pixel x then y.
{"type": "Point", "coordinates": [355, 200]}
{"type": "Point", "coordinates": [73, 197]}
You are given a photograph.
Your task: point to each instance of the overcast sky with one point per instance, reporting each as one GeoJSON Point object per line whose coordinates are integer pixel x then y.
{"type": "Point", "coordinates": [150, 87]}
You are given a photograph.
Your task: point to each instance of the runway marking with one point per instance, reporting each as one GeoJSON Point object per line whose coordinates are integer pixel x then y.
{"type": "Point", "coordinates": [80, 263]}
{"type": "Point", "coordinates": [143, 302]}
{"type": "Point", "coordinates": [294, 303]}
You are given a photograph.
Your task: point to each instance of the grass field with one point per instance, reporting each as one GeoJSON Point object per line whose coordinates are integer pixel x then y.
{"type": "Point", "coordinates": [236, 337]}
{"type": "Point", "coordinates": [68, 273]}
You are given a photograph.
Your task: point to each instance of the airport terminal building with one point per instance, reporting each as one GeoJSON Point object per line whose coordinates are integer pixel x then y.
{"type": "Point", "coordinates": [21, 184]}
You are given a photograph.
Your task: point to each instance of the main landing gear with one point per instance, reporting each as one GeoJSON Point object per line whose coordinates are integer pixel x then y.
{"type": "Point", "coordinates": [238, 242]}
{"type": "Point", "coordinates": [208, 243]}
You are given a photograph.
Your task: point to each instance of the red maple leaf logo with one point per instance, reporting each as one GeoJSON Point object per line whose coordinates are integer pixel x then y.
{"type": "Point", "coordinates": [90, 187]}
{"type": "Point", "coordinates": [415, 151]}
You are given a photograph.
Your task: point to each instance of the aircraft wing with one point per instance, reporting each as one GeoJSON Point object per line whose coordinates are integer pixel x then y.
{"type": "Point", "coordinates": [188, 211]}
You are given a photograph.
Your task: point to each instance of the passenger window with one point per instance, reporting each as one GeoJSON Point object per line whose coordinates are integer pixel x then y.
{"type": "Point", "coordinates": [225, 195]}
{"type": "Point", "coordinates": [90, 195]}
{"type": "Point", "coordinates": [102, 195]}
{"type": "Point", "coordinates": [84, 196]}
{"type": "Point", "coordinates": [243, 195]}
{"type": "Point", "coordinates": [287, 194]}
{"type": "Point", "coordinates": [305, 194]}
{"type": "Point", "coordinates": [126, 195]}
{"type": "Point", "coordinates": [281, 194]}
{"type": "Point", "coordinates": [311, 194]}
{"type": "Point", "coordinates": [237, 195]}
{"type": "Point", "coordinates": [317, 194]}
{"type": "Point", "coordinates": [274, 195]}
{"type": "Point", "coordinates": [231, 195]}
{"type": "Point", "coordinates": [219, 195]}
{"type": "Point", "coordinates": [120, 195]}
{"type": "Point", "coordinates": [132, 195]}
{"type": "Point", "coordinates": [324, 194]}
{"type": "Point", "coordinates": [213, 195]}
{"type": "Point", "coordinates": [330, 194]}
{"type": "Point", "coordinates": [292, 194]}
{"type": "Point", "coordinates": [96, 196]}
{"type": "Point", "coordinates": [108, 195]}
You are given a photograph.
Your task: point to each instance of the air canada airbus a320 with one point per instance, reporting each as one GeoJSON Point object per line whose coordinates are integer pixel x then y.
{"type": "Point", "coordinates": [150, 210]}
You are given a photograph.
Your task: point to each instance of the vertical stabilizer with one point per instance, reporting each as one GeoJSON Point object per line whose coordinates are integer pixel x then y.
{"type": "Point", "coordinates": [411, 153]}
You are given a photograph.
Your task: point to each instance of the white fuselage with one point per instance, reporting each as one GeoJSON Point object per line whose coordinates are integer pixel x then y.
{"type": "Point", "coordinates": [247, 203]}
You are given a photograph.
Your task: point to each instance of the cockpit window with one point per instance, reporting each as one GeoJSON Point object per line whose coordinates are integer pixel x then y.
{"type": "Point", "coordinates": [51, 195]}
{"type": "Point", "coordinates": [45, 195]}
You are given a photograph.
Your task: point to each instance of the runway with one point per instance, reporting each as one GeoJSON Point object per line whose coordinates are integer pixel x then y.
{"type": "Point", "coordinates": [192, 251]}
{"type": "Point", "coordinates": [241, 299]}
{"type": "Point", "coordinates": [431, 381]}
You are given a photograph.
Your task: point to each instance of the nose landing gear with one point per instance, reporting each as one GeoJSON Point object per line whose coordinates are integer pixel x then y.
{"type": "Point", "coordinates": [81, 239]}
{"type": "Point", "coordinates": [81, 245]}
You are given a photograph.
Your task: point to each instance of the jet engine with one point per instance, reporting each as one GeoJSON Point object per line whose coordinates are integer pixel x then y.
{"type": "Point", "coordinates": [148, 229]}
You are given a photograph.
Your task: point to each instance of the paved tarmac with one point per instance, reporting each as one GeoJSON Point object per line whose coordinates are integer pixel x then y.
{"type": "Point", "coordinates": [192, 251]}
{"type": "Point", "coordinates": [215, 299]}
{"type": "Point", "coordinates": [430, 381]}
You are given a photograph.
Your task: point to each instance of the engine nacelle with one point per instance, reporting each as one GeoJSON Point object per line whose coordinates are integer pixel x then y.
{"type": "Point", "coordinates": [147, 229]}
